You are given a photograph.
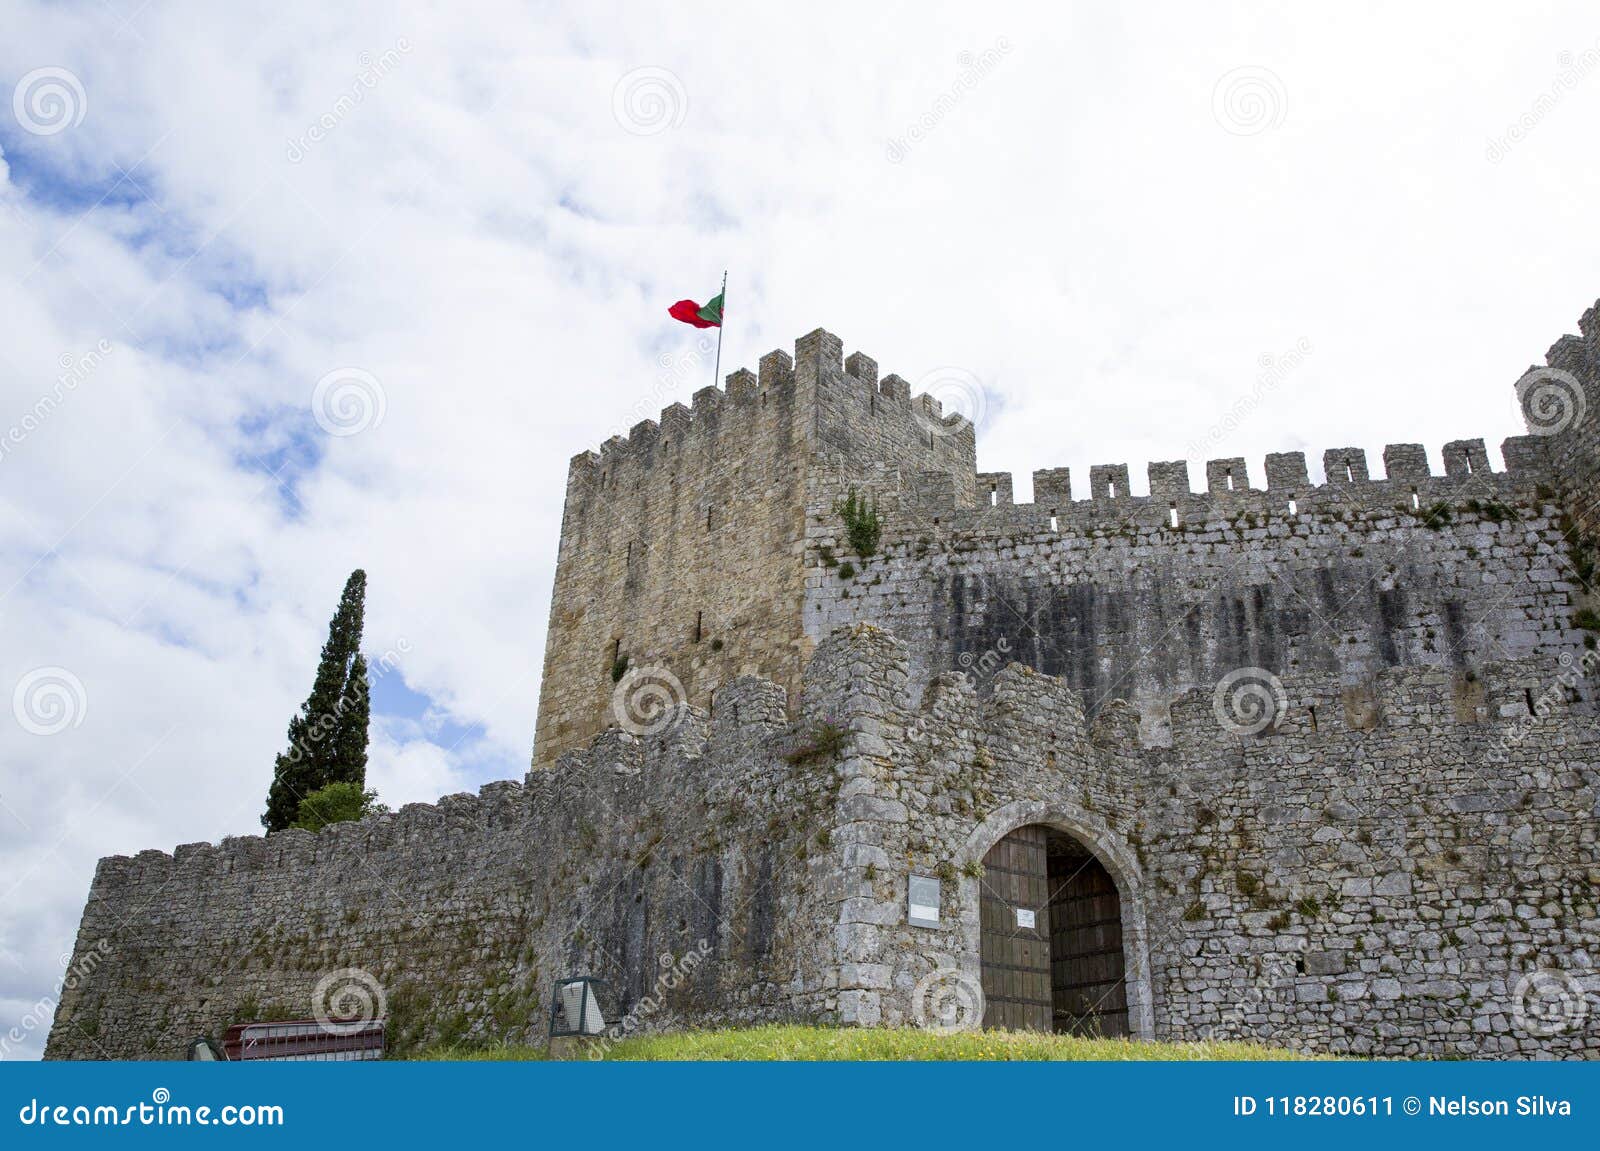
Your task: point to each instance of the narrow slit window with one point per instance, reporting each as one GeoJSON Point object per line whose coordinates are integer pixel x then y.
{"type": "Point", "coordinates": [1294, 508]}
{"type": "Point", "coordinates": [994, 496]}
{"type": "Point", "coordinates": [1111, 488]}
{"type": "Point", "coordinates": [708, 517]}
{"type": "Point", "coordinates": [1054, 523]}
{"type": "Point", "coordinates": [1349, 472]}
{"type": "Point", "coordinates": [1172, 515]}
{"type": "Point", "coordinates": [698, 616]}
{"type": "Point", "coordinates": [1230, 479]}
{"type": "Point", "coordinates": [1313, 718]}
{"type": "Point", "coordinates": [1467, 462]}
{"type": "Point", "coordinates": [1527, 694]}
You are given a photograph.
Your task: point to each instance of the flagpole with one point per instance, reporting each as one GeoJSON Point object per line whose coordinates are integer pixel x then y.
{"type": "Point", "coordinates": [716, 372]}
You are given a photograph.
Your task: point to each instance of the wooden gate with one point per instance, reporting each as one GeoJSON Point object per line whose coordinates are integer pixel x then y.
{"type": "Point", "coordinates": [1016, 957]}
{"type": "Point", "coordinates": [1087, 966]}
{"type": "Point", "coordinates": [1051, 937]}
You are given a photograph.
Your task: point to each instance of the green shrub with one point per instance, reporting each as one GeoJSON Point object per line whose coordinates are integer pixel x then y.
{"type": "Point", "coordinates": [862, 527]}
{"type": "Point", "coordinates": [337, 803]}
{"type": "Point", "coordinates": [824, 741]}
{"type": "Point", "coordinates": [1438, 516]}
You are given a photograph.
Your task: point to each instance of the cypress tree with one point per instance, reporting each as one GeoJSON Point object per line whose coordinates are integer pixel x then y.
{"type": "Point", "coordinates": [350, 736]}
{"type": "Point", "coordinates": [312, 759]}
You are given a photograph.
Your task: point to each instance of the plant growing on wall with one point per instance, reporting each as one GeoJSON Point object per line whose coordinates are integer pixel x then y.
{"type": "Point", "coordinates": [337, 803]}
{"type": "Point", "coordinates": [862, 527]}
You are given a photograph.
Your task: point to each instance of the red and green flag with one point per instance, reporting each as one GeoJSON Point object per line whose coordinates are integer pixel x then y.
{"type": "Point", "coordinates": [707, 315]}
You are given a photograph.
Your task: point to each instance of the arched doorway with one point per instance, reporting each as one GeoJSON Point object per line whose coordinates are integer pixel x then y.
{"type": "Point", "coordinates": [1051, 937]}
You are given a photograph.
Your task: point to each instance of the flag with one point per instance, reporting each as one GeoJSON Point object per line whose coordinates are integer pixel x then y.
{"type": "Point", "coordinates": [708, 316]}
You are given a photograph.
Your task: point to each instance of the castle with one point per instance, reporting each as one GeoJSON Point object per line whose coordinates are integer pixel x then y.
{"type": "Point", "coordinates": [1316, 765]}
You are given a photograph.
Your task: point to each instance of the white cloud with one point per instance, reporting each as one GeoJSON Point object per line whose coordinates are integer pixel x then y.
{"type": "Point", "coordinates": [481, 235]}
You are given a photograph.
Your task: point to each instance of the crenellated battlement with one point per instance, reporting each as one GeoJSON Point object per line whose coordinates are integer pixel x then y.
{"type": "Point", "coordinates": [1348, 483]}
{"type": "Point", "coordinates": [727, 510]}
{"type": "Point", "coordinates": [733, 411]}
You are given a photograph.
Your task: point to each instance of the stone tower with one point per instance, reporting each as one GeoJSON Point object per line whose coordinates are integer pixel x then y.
{"type": "Point", "coordinates": [707, 546]}
{"type": "Point", "coordinates": [683, 546]}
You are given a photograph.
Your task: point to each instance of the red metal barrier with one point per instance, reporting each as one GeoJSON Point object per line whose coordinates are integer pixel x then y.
{"type": "Point", "coordinates": [305, 1040]}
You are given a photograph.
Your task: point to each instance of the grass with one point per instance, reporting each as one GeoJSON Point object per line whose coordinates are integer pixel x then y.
{"type": "Point", "coordinates": [787, 1042]}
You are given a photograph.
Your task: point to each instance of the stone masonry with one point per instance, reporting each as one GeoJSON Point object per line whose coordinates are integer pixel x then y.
{"type": "Point", "coordinates": [1334, 743]}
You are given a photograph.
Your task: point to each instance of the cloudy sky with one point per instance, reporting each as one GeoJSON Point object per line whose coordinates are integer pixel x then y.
{"type": "Point", "coordinates": [291, 288]}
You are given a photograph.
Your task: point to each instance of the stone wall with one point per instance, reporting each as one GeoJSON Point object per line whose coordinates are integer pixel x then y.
{"type": "Point", "coordinates": [707, 545]}
{"type": "Point", "coordinates": [618, 862]}
{"type": "Point", "coordinates": [1142, 598]}
{"type": "Point", "coordinates": [1385, 866]}
{"type": "Point", "coordinates": [1388, 873]}
{"type": "Point", "coordinates": [675, 553]}
{"type": "Point", "coordinates": [1569, 417]}
{"type": "Point", "coordinates": [681, 544]}
{"type": "Point", "coordinates": [1378, 871]}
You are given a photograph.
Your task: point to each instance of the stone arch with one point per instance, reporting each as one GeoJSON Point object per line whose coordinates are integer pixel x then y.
{"type": "Point", "coordinates": [1113, 854]}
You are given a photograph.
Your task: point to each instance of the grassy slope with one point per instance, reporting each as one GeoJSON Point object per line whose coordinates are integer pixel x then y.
{"type": "Point", "coordinates": [810, 1043]}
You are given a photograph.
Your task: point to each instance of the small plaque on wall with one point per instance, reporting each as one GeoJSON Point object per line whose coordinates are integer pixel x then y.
{"type": "Point", "coordinates": [922, 901]}
{"type": "Point", "coordinates": [1025, 917]}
